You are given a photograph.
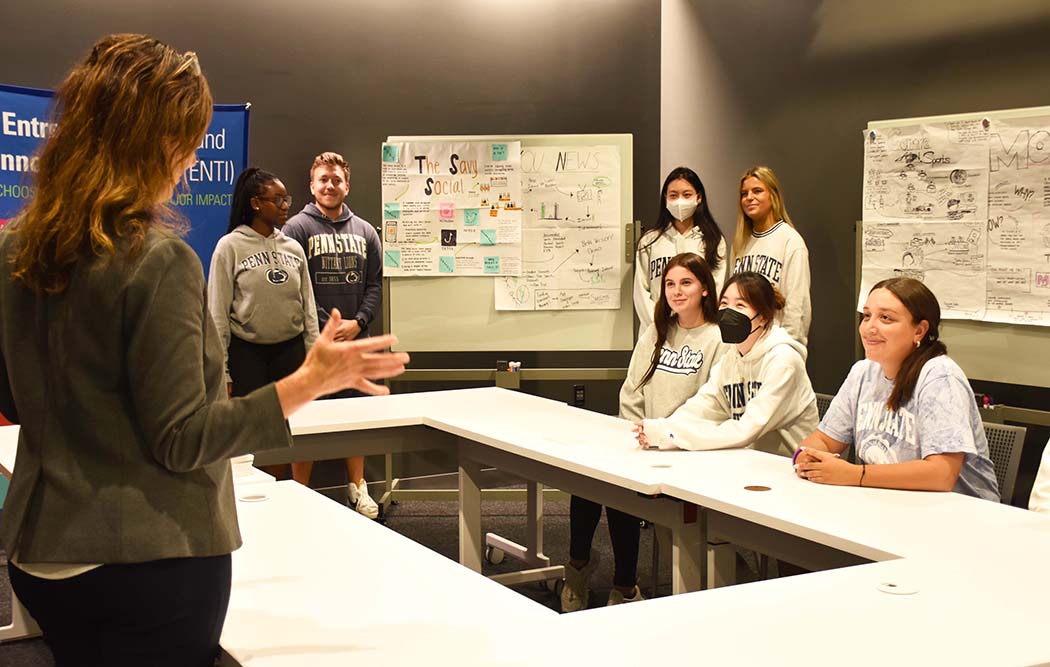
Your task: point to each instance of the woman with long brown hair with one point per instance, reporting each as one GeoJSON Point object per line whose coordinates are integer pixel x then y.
{"type": "Point", "coordinates": [672, 359]}
{"type": "Point", "coordinates": [120, 518]}
{"type": "Point", "coordinates": [907, 407]}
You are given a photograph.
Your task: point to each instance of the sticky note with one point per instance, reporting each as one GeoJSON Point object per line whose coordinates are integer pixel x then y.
{"type": "Point", "coordinates": [446, 210]}
{"type": "Point", "coordinates": [446, 264]}
{"type": "Point", "coordinates": [488, 237]}
{"type": "Point", "coordinates": [390, 152]}
{"type": "Point", "coordinates": [392, 258]}
{"type": "Point", "coordinates": [471, 217]}
{"type": "Point", "coordinates": [491, 265]}
{"type": "Point", "coordinates": [391, 210]}
{"type": "Point", "coordinates": [499, 152]}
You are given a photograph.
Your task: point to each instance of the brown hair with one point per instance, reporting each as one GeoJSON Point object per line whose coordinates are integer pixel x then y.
{"type": "Point", "coordinates": [744, 225]}
{"type": "Point", "coordinates": [662, 312]}
{"type": "Point", "coordinates": [330, 159]}
{"type": "Point", "coordinates": [759, 292]}
{"type": "Point", "coordinates": [922, 305]}
{"type": "Point", "coordinates": [127, 117]}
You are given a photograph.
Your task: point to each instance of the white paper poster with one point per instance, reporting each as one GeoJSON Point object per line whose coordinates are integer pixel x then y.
{"type": "Point", "coordinates": [1019, 221]}
{"type": "Point", "coordinates": [572, 231]}
{"type": "Point", "coordinates": [965, 207]}
{"type": "Point", "coordinates": [452, 208]}
{"type": "Point", "coordinates": [927, 172]}
{"type": "Point", "coordinates": [949, 257]}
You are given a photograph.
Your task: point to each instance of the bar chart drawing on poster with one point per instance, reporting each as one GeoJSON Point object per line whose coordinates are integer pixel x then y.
{"type": "Point", "coordinates": [571, 229]}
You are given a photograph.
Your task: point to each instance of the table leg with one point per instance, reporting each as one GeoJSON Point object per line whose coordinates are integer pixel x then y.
{"type": "Point", "coordinates": [471, 541]}
{"type": "Point", "coordinates": [22, 624]}
{"type": "Point", "coordinates": [534, 537]}
{"type": "Point", "coordinates": [688, 550]}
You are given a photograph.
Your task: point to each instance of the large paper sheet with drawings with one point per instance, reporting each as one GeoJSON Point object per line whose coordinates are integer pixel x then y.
{"type": "Point", "coordinates": [451, 208]}
{"type": "Point", "coordinates": [572, 231]}
{"type": "Point", "coordinates": [1019, 221]}
{"type": "Point", "coordinates": [963, 205]}
{"type": "Point", "coordinates": [927, 172]}
{"type": "Point", "coordinates": [948, 257]}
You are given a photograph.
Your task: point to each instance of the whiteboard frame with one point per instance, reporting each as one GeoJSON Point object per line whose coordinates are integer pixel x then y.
{"type": "Point", "coordinates": [1017, 354]}
{"type": "Point", "coordinates": [458, 313]}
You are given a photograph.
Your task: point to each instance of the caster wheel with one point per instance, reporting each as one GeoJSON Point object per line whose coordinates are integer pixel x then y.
{"type": "Point", "coordinates": [553, 585]}
{"type": "Point", "coordinates": [494, 555]}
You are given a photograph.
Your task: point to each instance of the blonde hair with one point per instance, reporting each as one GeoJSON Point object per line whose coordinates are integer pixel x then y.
{"type": "Point", "coordinates": [127, 117]}
{"type": "Point", "coordinates": [330, 159]}
{"type": "Point", "coordinates": [744, 225]}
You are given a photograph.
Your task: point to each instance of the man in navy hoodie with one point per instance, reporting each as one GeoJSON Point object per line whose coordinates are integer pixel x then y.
{"type": "Point", "coordinates": [344, 257]}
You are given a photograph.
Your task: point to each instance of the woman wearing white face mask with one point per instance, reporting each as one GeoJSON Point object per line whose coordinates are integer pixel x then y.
{"type": "Point", "coordinates": [757, 396]}
{"type": "Point", "coordinates": [684, 224]}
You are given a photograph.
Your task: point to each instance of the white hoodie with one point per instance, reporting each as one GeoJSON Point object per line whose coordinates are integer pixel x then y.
{"type": "Point", "coordinates": [780, 254]}
{"type": "Point", "coordinates": [762, 400]}
{"type": "Point", "coordinates": [653, 257]}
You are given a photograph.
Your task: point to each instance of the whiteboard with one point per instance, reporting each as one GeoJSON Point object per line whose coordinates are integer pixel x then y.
{"type": "Point", "coordinates": [989, 351]}
{"type": "Point", "coordinates": [458, 314]}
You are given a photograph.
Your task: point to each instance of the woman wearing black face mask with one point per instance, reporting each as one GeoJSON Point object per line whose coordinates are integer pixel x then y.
{"type": "Point", "coordinates": [759, 396]}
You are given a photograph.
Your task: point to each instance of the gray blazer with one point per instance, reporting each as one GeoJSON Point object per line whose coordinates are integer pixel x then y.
{"type": "Point", "coordinates": [125, 427]}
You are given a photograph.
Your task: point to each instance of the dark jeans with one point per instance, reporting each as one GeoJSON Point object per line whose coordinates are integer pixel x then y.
{"type": "Point", "coordinates": [253, 365]}
{"type": "Point", "coordinates": [160, 613]}
{"type": "Point", "coordinates": [624, 530]}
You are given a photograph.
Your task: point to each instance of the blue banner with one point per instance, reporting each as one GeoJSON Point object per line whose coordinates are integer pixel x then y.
{"type": "Point", "coordinates": [24, 125]}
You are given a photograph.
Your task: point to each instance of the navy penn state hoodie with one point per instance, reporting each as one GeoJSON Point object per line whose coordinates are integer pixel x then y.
{"type": "Point", "coordinates": [345, 261]}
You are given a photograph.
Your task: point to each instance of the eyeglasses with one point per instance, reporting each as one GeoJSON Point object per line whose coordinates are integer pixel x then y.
{"type": "Point", "coordinates": [278, 201]}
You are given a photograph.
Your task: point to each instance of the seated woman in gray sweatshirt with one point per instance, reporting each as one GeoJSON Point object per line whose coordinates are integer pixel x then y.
{"type": "Point", "coordinates": [259, 292]}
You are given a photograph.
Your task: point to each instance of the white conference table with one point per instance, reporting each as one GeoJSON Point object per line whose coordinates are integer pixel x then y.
{"type": "Point", "coordinates": [318, 584]}
{"type": "Point", "coordinates": [539, 440]}
{"type": "Point", "coordinates": [980, 589]}
{"type": "Point", "coordinates": [975, 587]}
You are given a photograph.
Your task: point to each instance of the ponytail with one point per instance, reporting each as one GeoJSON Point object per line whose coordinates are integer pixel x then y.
{"type": "Point", "coordinates": [908, 375]}
{"type": "Point", "coordinates": [250, 183]}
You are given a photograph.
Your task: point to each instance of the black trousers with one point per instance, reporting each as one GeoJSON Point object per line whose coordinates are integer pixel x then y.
{"type": "Point", "coordinates": [624, 530]}
{"type": "Point", "coordinates": [160, 613]}
{"type": "Point", "coordinates": [253, 365]}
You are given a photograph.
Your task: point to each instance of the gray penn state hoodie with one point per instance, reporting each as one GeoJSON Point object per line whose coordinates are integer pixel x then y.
{"type": "Point", "coordinates": [345, 259]}
{"type": "Point", "coordinates": [259, 289]}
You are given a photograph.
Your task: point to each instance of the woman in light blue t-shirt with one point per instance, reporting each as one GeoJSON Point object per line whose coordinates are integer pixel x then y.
{"type": "Point", "coordinates": [908, 408]}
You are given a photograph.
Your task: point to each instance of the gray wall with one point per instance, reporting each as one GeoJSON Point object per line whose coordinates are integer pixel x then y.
{"type": "Point", "coordinates": [344, 75]}
{"type": "Point", "coordinates": [792, 84]}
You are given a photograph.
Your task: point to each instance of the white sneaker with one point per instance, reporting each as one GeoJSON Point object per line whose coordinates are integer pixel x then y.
{"type": "Point", "coordinates": [361, 501]}
{"type": "Point", "coordinates": [616, 597]}
{"type": "Point", "coordinates": [576, 592]}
